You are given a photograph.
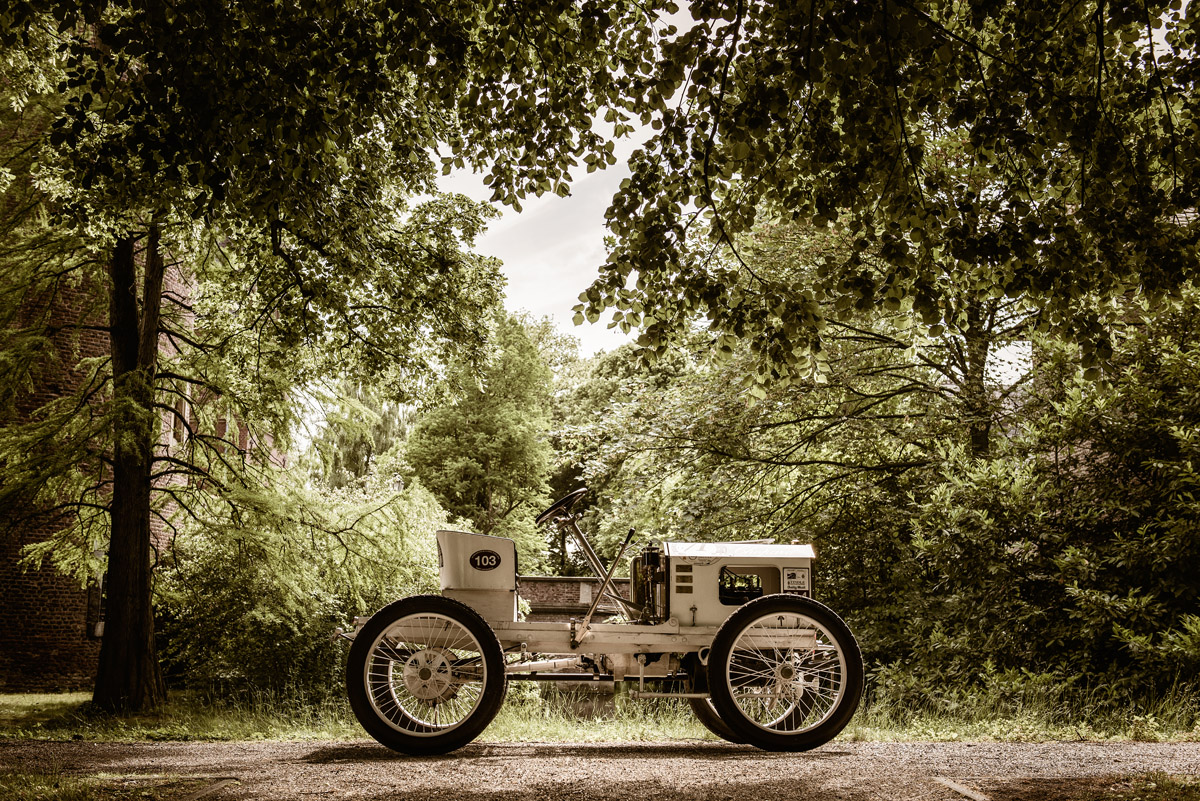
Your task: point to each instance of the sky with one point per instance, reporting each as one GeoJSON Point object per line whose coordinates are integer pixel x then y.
{"type": "Point", "coordinates": [552, 249]}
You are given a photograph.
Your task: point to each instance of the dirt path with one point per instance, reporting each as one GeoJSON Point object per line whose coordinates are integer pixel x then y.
{"type": "Point", "coordinates": [365, 771]}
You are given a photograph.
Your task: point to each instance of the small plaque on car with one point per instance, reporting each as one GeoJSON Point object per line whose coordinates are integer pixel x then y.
{"type": "Point", "coordinates": [795, 579]}
{"type": "Point", "coordinates": [485, 560]}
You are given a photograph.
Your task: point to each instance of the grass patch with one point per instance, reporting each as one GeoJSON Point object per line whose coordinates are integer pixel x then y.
{"type": "Point", "coordinates": [58, 786]}
{"type": "Point", "coordinates": [539, 714]}
{"type": "Point", "coordinates": [1035, 712]}
{"type": "Point", "coordinates": [530, 714]}
{"type": "Point", "coordinates": [535, 713]}
{"type": "Point", "coordinates": [19, 710]}
{"type": "Point", "coordinates": [187, 716]}
{"type": "Point", "coordinates": [1030, 725]}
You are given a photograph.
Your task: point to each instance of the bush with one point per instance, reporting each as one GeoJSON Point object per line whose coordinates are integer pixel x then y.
{"type": "Point", "coordinates": [1071, 552]}
{"type": "Point", "coordinates": [250, 605]}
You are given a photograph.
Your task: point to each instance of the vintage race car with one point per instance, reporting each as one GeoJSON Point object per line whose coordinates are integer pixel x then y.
{"type": "Point", "coordinates": [730, 627]}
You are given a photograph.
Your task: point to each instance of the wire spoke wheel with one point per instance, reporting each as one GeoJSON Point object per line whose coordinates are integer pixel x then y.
{"type": "Point", "coordinates": [785, 673]}
{"type": "Point", "coordinates": [425, 675]}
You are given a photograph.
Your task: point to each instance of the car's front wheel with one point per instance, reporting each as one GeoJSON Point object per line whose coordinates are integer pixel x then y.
{"type": "Point", "coordinates": [785, 673]}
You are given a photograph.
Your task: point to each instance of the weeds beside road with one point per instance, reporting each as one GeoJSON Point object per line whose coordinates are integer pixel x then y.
{"type": "Point", "coordinates": [554, 719]}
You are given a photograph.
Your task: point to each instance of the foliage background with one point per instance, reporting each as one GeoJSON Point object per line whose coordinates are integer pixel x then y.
{"type": "Point", "coordinates": [252, 606]}
{"type": "Point", "coordinates": [846, 214]}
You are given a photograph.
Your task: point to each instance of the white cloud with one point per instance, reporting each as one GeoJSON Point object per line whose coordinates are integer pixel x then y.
{"type": "Point", "coordinates": [551, 250]}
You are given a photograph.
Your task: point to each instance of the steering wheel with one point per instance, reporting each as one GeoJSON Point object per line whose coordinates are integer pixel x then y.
{"type": "Point", "coordinates": [562, 506]}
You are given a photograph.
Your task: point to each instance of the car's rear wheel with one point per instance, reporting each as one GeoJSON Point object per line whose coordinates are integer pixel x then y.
{"type": "Point", "coordinates": [703, 709]}
{"type": "Point", "coordinates": [785, 673]}
{"type": "Point", "coordinates": [425, 675]}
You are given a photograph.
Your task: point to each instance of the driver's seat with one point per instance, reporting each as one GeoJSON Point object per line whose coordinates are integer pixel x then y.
{"type": "Point", "coordinates": [481, 571]}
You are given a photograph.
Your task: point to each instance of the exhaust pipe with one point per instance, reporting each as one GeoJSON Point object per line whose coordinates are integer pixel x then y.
{"type": "Point", "coordinates": [547, 665]}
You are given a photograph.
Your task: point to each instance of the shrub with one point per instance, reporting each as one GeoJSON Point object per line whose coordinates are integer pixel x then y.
{"type": "Point", "coordinates": [251, 605]}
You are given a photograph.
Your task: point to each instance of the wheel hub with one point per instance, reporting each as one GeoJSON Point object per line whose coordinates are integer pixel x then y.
{"type": "Point", "coordinates": [427, 675]}
{"type": "Point", "coordinates": [791, 682]}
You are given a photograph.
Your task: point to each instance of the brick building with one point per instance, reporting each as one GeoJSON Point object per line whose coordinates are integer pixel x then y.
{"type": "Point", "coordinates": [50, 626]}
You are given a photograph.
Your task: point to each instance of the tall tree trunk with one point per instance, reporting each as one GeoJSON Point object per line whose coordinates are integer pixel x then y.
{"type": "Point", "coordinates": [978, 405]}
{"type": "Point", "coordinates": [129, 678]}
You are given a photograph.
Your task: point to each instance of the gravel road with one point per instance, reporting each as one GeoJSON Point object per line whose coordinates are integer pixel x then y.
{"type": "Point", "coordinates": [599, 772]}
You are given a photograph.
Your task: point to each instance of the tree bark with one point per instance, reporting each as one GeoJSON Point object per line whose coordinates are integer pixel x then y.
{"type": "Point", "coordinates": [129, 678]}
{"type": "Point", "coordinates": [977, 403]}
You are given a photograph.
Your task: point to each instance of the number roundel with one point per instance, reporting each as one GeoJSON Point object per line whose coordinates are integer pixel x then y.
{"type": "Point", "coordinates": [485, 560]}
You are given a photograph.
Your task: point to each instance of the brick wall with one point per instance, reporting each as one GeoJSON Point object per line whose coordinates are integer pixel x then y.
{"type": "Point", "coordinates": [47, 639]}
{"type": "Point", "coordinates": [554, 599]}
{"type": "Point", "coordinates": [47, 631]}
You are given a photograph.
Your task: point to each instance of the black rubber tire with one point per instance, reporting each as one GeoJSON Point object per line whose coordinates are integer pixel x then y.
{"type": "Point", "coordinates": [708, 717]}
{"type": "Point", "coordinates": [366, 691]}
{"type": "Point", "coordinates": [702, 708]}
{"type": "Point", "coordinates": [790, 730]}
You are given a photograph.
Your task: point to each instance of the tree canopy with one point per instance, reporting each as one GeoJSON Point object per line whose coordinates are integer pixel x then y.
{"type": "Point", "coordinates": [1079, 123]}
{"type": "Point", "coordinates": [484, 453]}
{"type": "Point", "coordinates": [266, 153]}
